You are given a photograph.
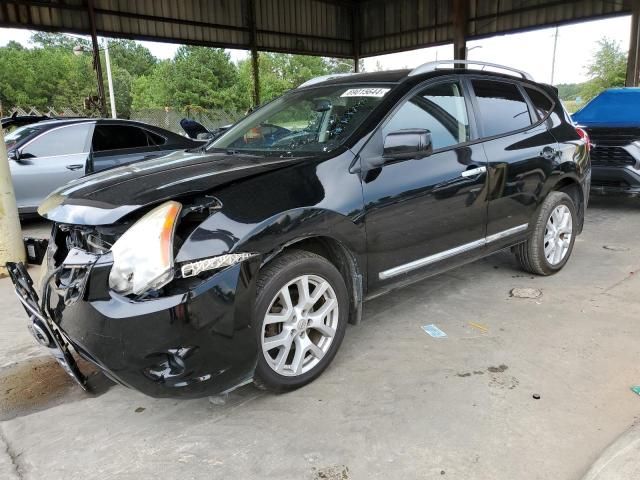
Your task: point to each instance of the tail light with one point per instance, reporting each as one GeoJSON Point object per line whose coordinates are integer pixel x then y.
{"type": "Point", "coordinates": [584, 136]}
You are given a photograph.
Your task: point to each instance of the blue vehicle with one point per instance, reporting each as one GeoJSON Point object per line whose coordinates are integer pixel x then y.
{"type": "Point", "coordinates": [612, 120]}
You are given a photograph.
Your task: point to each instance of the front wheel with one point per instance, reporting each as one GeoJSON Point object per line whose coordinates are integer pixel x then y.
{"type": "Point", "coordinates": [301, 315]}
{"type": "Point", "coordinates": [550, 244]}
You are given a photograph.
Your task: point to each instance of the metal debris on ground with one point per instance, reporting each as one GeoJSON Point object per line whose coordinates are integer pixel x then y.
{"type": "Point", "coordinates": [219, 399]}
{"type": "Point", "coordinates": [434, 331]}
{"type": "Point", "coordinates": [536, 396]}
{"type": "Point", "coordinates": [636, 389]}
{"type": "Point", "coordinates": [334, 472]}
{"type": "Point", "coordinates": [479, 326]}
{"type": "Point", "coordinates": [526, 293]}
{"type": "Point", "coordinates": [615, 248]}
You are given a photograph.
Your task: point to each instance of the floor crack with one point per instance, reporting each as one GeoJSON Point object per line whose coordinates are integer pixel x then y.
{"type": "Point", "coordinates": [620, 282]}
{"type": "Point", "coordinates": [11, 454]}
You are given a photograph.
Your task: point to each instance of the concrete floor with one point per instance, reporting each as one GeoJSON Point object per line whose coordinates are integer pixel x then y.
{"type": "Point", "coordinates": [395, 403]}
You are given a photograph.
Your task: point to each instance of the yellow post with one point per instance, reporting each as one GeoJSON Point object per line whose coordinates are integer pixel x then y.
{"type": "Point", "coordinates": [11, 244]}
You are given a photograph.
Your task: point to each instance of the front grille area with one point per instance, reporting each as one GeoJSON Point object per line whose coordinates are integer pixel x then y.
{"type": "Point", "coordinates": [92, 239]}
{"type": "Point", "coordinates": [613, 137]}
{"type": "Point", "coordinates": [611, 156]}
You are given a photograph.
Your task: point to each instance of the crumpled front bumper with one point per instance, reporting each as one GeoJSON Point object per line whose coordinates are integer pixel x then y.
{"type": "Point", "coordinates": [189, 343]}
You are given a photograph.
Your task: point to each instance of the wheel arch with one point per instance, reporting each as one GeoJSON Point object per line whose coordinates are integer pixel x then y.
{"type": "Point", "coordinates": [572, 187]}
{"type": "Point", "coordinates": [328, 233]}
{"type": "Point", "coordinates": [340, 256]}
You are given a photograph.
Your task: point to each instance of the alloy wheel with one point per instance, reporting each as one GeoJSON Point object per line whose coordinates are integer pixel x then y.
{"type": "Point", "coordinates": [557, 235]}
{"type": "Point", "coordinates": [299, 325]}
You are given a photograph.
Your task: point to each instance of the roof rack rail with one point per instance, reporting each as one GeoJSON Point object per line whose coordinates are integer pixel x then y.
{"type": "Point", "coordinates": [432, 66]}
{"type": "Point", "coordinates": [323, 78]}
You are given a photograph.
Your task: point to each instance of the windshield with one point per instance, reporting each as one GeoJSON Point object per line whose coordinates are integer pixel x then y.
{"type": "Point", "coordinates": [304, 121]}
{"type": "Point", "coordinates": [19, 134]}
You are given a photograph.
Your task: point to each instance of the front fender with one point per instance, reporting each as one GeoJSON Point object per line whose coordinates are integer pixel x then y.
{"type": "Point", "coordinates": [219, 234]}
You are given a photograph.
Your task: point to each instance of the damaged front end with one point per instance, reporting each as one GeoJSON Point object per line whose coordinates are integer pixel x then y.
{"type": "Point", "coordinates": [115, 295]}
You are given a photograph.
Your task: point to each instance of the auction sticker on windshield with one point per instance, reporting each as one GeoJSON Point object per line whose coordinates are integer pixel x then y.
{"type": "Point", "coordinates": [365, 92]}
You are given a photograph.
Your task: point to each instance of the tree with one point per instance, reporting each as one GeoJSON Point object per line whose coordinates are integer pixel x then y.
{"type": "Point", "coordinates": [280, 72]}
{"type": "Point", "coordinates": [608, 69]}
{"type": "Point", "coordinates": [569, 91]}
{"type": "Point", "coordinates": [50, 75]}
{"type": "Point", "coordinates": [44, 77]}
{"type": "Point", "coordinates": [136, 59]}
{"type": "Point", "coordinates": [58, 40]}
{"type": "Point", "coordinates": [122, 86]}
{"type": "Point", "coordinates": [151, 91]}
{"type": "Point", "coordinates": [197, 76]}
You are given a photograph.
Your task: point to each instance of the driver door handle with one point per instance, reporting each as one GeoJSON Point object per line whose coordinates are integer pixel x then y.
{"type": "Point", "coordinates": [474, 172]}
{"type": "Point", "coordinates": [76, 166]}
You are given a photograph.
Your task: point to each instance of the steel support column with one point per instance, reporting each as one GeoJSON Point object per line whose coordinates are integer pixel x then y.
{"type": "Point", "coordinates": [255, 59]}
{"type": "Point", "coordinates": [633, 59]}
{"type": "Point", "coordinates": [97, 65]}
{"type": "Point", "coordinates": [355, 34]}
{"type": "Point", "coordinates": [460, 19]}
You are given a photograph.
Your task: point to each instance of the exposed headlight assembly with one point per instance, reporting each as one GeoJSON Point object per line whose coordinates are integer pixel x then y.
{"type": "Point", "coordinates": [214, 263]}
{"type": "Point", "coordinates": [143, 255]}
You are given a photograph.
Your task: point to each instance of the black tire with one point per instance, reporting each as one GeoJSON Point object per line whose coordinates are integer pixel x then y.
{"type": "Point", "coordinates": [530, 253]}
{"type": "Point", "coordinates": [273, 277]}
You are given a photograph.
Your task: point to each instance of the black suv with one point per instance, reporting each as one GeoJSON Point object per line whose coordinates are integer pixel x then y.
{"type": "Point", "coordinates": [244, 260]}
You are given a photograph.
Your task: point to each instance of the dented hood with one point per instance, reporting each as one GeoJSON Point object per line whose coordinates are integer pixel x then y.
{"type": "Point", "coordinates": [106, 197]}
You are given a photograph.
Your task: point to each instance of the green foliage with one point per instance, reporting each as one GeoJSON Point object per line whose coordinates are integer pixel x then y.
{"type": "Point", "coordinates": [150, 91]}
{"type": "Point", "coordinates": [569, 91]}
{"type": "Point", "coordinates": [132, 57]}
{"type": "Point", "coordinates": [43, 77]}
{"type": "Point", "coordinates": [607, 69]}
{"type": "Point", "coordinates": [59, 40]}
{"type": "Point", "coordinates": [122, 86]}
{"type": "Point", "coordinates": [280, 72]}
{"type": "Point", "coordinates": [201, 76]}
{"type": "Point", "coordinates": [51, 75]}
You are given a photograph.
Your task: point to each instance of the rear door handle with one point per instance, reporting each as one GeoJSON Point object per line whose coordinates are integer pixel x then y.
{"type": "Point", "coordinates": [77, 166]}
{"type": "Point", "coordinates": [474, 172]}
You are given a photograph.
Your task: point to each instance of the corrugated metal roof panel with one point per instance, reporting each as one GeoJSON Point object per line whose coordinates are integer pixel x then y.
{"type": "Point", "coordinates": [321, 27]}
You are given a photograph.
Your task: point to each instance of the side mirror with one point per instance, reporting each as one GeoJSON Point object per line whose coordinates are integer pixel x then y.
{"type": "Point", "coordinates": [407, 144]}
{"type": "Point", "coordinates": [322, 105]}
{"type": "Point", "coordinates": [14, 155]}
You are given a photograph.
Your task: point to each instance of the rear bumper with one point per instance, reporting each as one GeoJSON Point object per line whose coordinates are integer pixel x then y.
{"type": "Point", "coordinates": [192, 343]}
{"type": "Point", "coordinates": [615, 180]}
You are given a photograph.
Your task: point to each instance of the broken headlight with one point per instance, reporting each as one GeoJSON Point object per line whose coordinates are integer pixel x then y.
{"type": "Point", "coordinates": [143, 255]}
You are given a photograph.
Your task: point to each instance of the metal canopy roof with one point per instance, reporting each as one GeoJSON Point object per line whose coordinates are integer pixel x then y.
{"type": "Point", "coordinates": [356, 28]}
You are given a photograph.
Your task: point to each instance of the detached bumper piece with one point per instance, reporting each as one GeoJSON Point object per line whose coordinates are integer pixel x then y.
{"type": "Point", "coordinates": [36, 249]}
{"type": "Point", "coordinates": [41, 324]}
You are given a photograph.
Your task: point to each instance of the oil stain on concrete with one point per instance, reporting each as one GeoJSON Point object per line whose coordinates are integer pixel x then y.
{"type": "Point", "coordinates": [40, 383]}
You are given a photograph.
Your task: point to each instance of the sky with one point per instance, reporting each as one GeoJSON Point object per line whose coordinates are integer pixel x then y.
{"type": "Point", "coordinates": [529, 51]}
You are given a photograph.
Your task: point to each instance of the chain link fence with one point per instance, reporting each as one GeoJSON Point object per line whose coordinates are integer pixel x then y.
{"type": "Point", "coordinates": [167, 118]}
{"type": "Point", "coordinates": [50, 112]}
{"type": "Point", "coordinates": [170, 118]}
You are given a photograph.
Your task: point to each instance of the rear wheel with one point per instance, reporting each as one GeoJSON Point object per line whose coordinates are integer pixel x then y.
{"type": "Point", "coordinates": [301, 316]}
{"type": "Point", "coordinates": [550, 244]}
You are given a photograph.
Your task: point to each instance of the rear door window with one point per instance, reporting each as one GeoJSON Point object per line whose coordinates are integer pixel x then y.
{"type": "Point", "coordinates": [501, 106]}
{"type": "Point", "coordinates": [59, 141]}
{"type": "Point", "coordinates": [121, 137]}
{"type": "Point", "coordinates": [541, 102]}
